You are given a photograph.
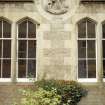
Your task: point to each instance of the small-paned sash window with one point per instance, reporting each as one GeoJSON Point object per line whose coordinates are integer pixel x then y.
{"type": "Point", "coordinates": [26, 49]}
{"type": "Point", "coordinates": [86, 49]}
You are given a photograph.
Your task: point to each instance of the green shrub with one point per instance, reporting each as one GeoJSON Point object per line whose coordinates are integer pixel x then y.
{"type": "Point", "coordinates": [53, 92]}
{"type": "Point", "coordinates": [40, 97]}
{"type": "Point", "coordinates": [70, 91]}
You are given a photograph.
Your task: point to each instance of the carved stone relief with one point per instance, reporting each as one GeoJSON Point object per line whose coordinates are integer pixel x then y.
{"type": "Point", "coordinates": [57, 10]}
{"type": "Point", "coordinates": [56, 6]}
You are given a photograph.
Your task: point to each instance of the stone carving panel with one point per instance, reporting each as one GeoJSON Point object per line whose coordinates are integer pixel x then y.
{"type": "Point", "coordinates": [57, 10]}
{"type": "Point", "coordinates": [56, 6]}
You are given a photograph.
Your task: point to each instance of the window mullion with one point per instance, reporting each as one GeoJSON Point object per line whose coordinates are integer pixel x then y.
{"type": "Point", "coordinates": [2, 54]}
{"type": "Point", "coordinates": [27, 52]}
{"type": "Point", "coordinates": [86, 52]}
{"type": "Point", "coordinates": [86, 58]}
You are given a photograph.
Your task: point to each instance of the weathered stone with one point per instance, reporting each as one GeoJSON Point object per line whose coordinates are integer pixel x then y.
{"type": "Point", "coordinates": [52, 71]}
{"type": "Point", "coordinates": [57, 44]}
{"type": "Point", "coordinates": [57, 52]}
{"type": "Point", "coordinates": [57, 26]}
{"type": "Point", "coordinates": [57, 35]}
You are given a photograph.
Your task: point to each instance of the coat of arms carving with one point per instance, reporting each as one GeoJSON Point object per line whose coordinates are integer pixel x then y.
{"type": "Point", "coordinates": [56, 6]}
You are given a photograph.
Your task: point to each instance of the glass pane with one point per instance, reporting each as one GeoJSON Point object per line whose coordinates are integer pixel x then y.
{"type": "Point", "coordinates": [82, 68]}
{"type": "Point", "coordinates": [104, 68]}
{"type": "Point", "coordinates": [103, 29]}
{"type": "Point", "coordinates": [81, 49]}
{"type": "Point", "coordinates": [22, 29]}
{"type": "Point", "coordinates": [22, 49]}
{"type": "Point", "coordinates": [0, 48]}
{"type": "Point", "coordinates": [103, 44]}
{"type": "Point", "coordinates": [6, 49]}
{"type": "Point", "coordinates": [0, 29]}
{"type": "Point", "coordinates": [82, 29]}
{"type": "Point", "coordinates": [6, 68]}
{"type": "Point", "coordinates": [91, 48]}
{"type": "Point", "coordinates": [6, 29]}
{"type": "Point", "coordinates": [90, 29]}
{"type": "Point", "coordinates": [91, 69]}
{"type": "Point", "coordinates": [31, 68]}
{"type": "Point", "coordinates": [31, 30]}
{"type": "Point", "coordinates": [22, 69]}
{"type": "Point", "coordinates": [31, 49]}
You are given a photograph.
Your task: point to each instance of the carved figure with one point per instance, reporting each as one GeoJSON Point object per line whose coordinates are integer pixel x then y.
{"type": "Point", "coordinates": [56, 6]}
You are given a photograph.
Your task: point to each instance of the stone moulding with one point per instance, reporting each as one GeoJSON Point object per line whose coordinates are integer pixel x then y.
{"type": "Point", "coordinates": [10, 1]}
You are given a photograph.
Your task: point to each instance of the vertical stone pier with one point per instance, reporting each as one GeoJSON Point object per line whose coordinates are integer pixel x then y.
{"type": "Point", "coordinates": [57, 53]}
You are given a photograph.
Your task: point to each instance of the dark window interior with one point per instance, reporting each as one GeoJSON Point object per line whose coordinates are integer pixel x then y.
{"type": "Point", "coordinates": [5, 49]}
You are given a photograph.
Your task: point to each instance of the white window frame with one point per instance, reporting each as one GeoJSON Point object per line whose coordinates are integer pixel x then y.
{"type": "Point", "coordinates": [86, 39]}
{"type": "Point", "coordinates": [26, 79]}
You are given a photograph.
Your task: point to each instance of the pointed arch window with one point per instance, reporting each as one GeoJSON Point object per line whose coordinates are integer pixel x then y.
{"type": "Point", "coordinates": [5, 49]}
{"type": "Point", "coordinates": [26, 49]}
{"type": "Point", "coordinates": [86, 49]}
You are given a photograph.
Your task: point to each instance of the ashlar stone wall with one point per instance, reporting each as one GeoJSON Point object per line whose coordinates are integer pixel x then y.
{"type": "Point", "coordinates": [56, 44]}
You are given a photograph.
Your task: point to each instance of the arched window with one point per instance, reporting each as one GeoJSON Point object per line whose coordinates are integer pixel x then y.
{"type": "Point", "coordinates": [26, 49]}
{"type": "Point", "coordinates": [5, 49]}
{"type": "Point", "coordinates": [86, 49]}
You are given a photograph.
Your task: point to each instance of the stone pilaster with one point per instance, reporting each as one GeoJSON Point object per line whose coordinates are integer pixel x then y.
{"type": "Point", "coordinates": [13, 54]}
{"type": "Point", "coordinates": [99, 53]}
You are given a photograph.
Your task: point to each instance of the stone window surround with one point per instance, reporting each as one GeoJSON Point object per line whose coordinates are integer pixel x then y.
{"type": "Point", "coordinates": [14, 33]}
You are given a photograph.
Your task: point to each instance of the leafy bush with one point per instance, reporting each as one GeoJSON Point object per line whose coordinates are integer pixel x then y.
{"type": "Point", "coordinates": [52, 92]}
{"type": "Point", "coordinates": [40, 97]}
{"type": "Point", "coordinates": [70, 91]}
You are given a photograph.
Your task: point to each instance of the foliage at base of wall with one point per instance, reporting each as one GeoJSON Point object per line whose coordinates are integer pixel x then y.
{"type": "Point", "coordinates": [53, 92]}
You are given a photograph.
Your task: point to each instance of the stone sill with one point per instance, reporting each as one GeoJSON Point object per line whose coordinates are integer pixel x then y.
{"type": "Point", "coordinates": [16, 1]}
{"type": "Point", "coordinates": [92, 1]}
{"type": "Point", "coordinates": [16, 84]}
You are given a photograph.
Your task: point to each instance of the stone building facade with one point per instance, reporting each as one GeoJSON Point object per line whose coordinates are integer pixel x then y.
{"type": "Point", "coordinates": [67, 44]}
